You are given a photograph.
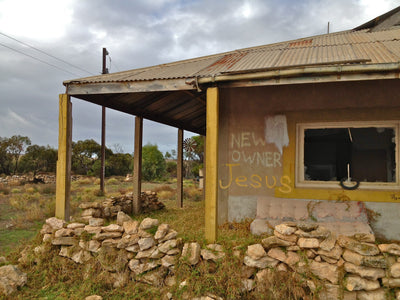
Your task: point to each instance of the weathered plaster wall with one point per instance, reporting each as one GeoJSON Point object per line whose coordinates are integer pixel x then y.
{"type": "Point", "coordinates": [252, 168]}
{"type": "Point", "coordinates": [387, 220]}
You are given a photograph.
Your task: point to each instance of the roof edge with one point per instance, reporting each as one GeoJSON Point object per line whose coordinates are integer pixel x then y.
{"type": "Point", "coordinates": [303, 71]}
{"type": "Point", "coordinates": [375, 21]}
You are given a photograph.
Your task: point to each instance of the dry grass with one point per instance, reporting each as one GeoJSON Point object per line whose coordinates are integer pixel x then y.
{"type": "Point", "coordinates": [164, 188]}
{"type": "Point", "coordinates": [4, 189]}
{"type": "Point", "coordinates": [31, 208]}
{"type": "Point", "coordinates": [53, 277]}
{"type": "Point", "coordinates": [193, 193]}
{"type": "Point", "coordinates": [84, 181]}
{"type": "Point", "coordinates": [166, 195]}
{"type": "Point", "coordinates": [113, 181]}
{"type": "Point", "coordinates": [165, 192]}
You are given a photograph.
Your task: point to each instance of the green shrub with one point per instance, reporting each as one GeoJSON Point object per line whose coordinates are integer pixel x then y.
{"type": "Point", "coordinates": [113, 181]}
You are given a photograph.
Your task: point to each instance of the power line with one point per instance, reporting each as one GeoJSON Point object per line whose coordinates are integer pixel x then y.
{"type": "Point", "coordinates": [109, 57]}
{"type": "Point", "coordinates": [48, 54]}
{"type": "Point", "coordinates": [38, 59]}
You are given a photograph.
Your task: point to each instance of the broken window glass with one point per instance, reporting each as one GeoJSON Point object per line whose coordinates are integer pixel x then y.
{"type": "Point", "coordinates": [365, 154]}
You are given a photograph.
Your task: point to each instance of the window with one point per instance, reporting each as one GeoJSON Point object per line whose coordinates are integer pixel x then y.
{"type": "Point", "coordinates": [363, 151]}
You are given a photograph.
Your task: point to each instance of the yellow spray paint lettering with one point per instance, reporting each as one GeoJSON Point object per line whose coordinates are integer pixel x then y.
{"type": "Point", "coordinates": [255, 181]}
{"type": "Point", "coordinates": [285, 186]}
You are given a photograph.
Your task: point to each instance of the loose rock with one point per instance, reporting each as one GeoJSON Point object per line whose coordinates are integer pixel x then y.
{"type": "Point", "coordinates": [256, 251]}
{"type": "Point", "coordinates": [356, 283]}
{"type": "Point", "coordinates": [55, 223]}
{"type": "Point", "coordinates": [261, 263]}
{"type": "Point", "coordinates": [365, 272]}
{"type": "Point", "coordinates": [11, 278]}
{"type": "Point", "coordinates": [191, 253]}
{"type": "Point", "coordinates": [162, 230]}
{"type": "Point", "coordinates": [274, 241]}
{"type": "Point", "coordinates": [390, 248]}
{"type": "Point", "coordinates": [308, 243]}
{"type": "Point", "coordinates": [285, 229]}
{"type": "Point", "coordinates": [122, 217]}
{"type": "Point", "coordinates": [325, 271]}
{"type": "Point", "coordinates": [96, 222]}
{"type": "Point", "coordinates": [360, 248]}
{"type": "Point", "coordinates": [148, 223]}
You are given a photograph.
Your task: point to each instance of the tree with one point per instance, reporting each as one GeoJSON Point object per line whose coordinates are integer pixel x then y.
{"type": "Point", "coordinates": [168, 155]}
{"type": "Point", "coordinates": [153, 163]}
{"type": "Point", "coordinates": [118, 148]}
{"type": "Point", "coordinates": [119, 164]}
{"type": "Point", "coordinates": [171, 168]}
{"type": "Point", "coordinates": [39, 158]}
{"type": "Point", "coordinates": [85, 154]}
{"type": "Point", "coordinates": [16, 145]}
{"type": "Point", "coordinates": [5, 157]}
{"type": "Point", "coordinates": [173, 154]}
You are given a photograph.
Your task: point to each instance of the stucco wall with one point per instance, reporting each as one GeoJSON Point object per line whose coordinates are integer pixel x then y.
{"type": "Point", "coordinates": [255, 164]}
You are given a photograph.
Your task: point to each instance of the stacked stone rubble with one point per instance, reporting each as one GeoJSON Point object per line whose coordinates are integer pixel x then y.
{"type": "Point", "coordinates": [347, 267]}
{"type": "Point", "coordinates": [333, 267]}
{"type": "Point", "coordinates": [127, 249]}
{"type": "Point", "coordinates": [109, 208]}
{"type": "Point", "coordinates": [38, 178]}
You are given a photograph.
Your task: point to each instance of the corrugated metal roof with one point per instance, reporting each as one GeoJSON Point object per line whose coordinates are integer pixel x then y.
{"type": "Point", "coordinates": [347, 46]}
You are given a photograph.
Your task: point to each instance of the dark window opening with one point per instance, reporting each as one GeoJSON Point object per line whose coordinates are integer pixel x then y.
{"type": "Point", "coordinates": [367, 154]}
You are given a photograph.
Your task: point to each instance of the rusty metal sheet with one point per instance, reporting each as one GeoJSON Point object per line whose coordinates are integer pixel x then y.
{"type": "Point", "coordinates": [346, 46]}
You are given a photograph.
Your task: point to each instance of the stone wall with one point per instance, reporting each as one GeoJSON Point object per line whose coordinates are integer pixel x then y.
{"type": "Point", "coordinates": [39, 178]}
{"type": "Point", "coordinates": [110, 207]}
{"type": "Point", "coordinates": [347, 267]}
{"type": "Point", "coordinates": [332, 267]}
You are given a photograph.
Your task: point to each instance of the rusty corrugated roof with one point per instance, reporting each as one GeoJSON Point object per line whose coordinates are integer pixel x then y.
{"type": "Point", "coordinates": [328, 49]}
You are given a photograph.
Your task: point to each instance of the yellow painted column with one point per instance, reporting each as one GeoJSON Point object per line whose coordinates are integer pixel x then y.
{"type": "Point", "coordinates": [63, 180]}
{"type": "Point", "coordinates": [137, 166]}
{"type": "Point", "coordinates": [211, 186]}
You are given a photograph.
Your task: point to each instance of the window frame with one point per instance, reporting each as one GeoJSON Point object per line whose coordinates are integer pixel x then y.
{"type": "Point", "coordinates": [299, 164]}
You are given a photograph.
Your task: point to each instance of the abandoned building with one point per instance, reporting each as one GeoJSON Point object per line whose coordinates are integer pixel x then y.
{"type": "Point", "coordinates": [302, 130]}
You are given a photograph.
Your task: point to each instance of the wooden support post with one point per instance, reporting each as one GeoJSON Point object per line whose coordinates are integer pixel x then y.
{"type": "Point", "coordinates": [204, 167]}
{"type": "Point", "coordinates": [179, 170]}
{"type": "Point", "coordinates": [211, 200]}
{"type": "Point", "coordinates": [63, 180]}
{"type": "Point", "coordinates": [103, 148]}
{"type": "Point", "coordinates": [137, 166]}
{"type": "Point", "coordinates": [103, 129]}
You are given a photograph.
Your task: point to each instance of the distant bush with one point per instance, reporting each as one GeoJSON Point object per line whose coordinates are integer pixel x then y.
{"type": "Point", "coordinates": [166, 195]}
{"type": "Point", "coordinates": [153, 163]}
{"type": "Point", "coordinates": [48, 189]}
{"type": "Point", "coordinates": [4, 189]}
{"type": "Point", "coordinates": [193, 193]}
{"type": "Point", "coordinates": [30, 190]}
{"type": "Point", "coordinates": [163, 187]}
{"type": "Point", "coordinates": [112, 181]}
{"type": "Point", "coordinates": [84, 181]}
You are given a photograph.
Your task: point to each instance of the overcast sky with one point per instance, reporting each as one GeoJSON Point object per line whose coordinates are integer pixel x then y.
{"type": "Point", "coordinates": [137, 33]}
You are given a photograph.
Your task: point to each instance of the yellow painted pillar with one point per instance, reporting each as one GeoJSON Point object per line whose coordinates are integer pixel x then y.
{"type": "Point", "coordinates": [179, 170]}
{"type": "Point", "coordinates": [63, 180]}
{"type": "Point", "coordinates": [211, 186]}
{"type": "Point", "coordinates": [137, 166]}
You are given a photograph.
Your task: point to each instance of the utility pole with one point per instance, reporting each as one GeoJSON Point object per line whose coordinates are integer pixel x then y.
{"type": "Point", "coordinates": [103, 129]}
